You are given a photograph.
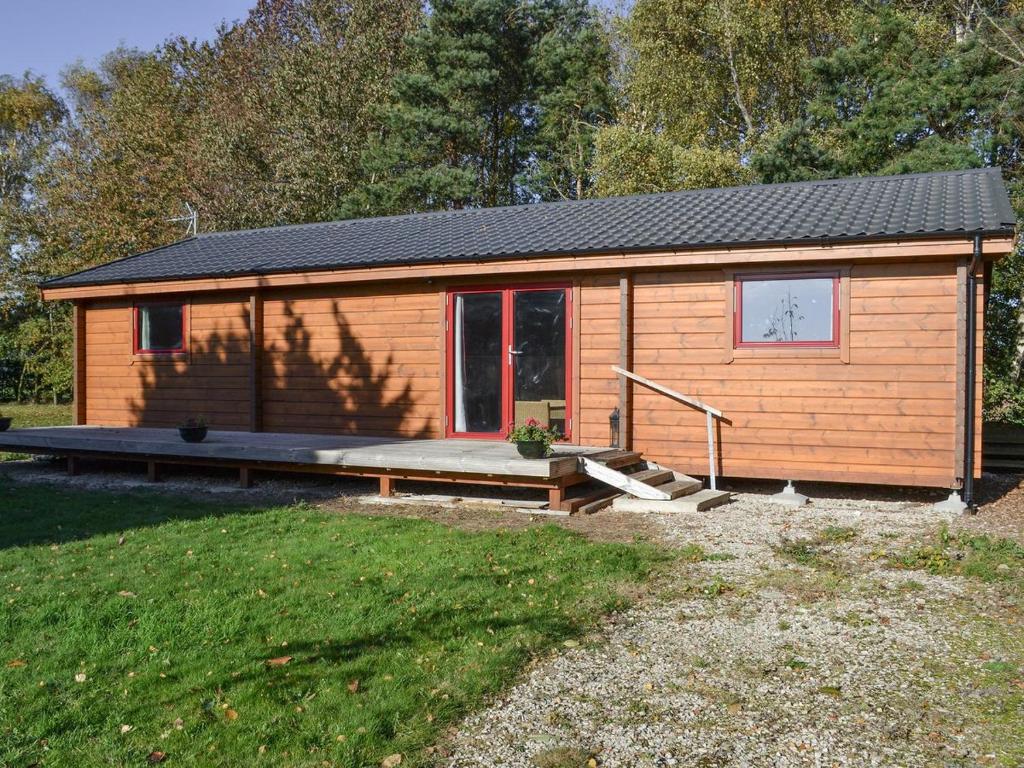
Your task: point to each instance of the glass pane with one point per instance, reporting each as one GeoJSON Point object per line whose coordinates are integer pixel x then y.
{"type": "Point", "coordinates": [478, 356]}
{"type": "Point", "coordinates": [539, 335]}
{"type": "Point", "coordinates": [787, 310]}
{"type": "Point", "coordinates": [160, 328]}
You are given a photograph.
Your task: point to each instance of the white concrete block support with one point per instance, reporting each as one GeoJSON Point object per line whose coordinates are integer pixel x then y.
{"type": "Point", "coordinates": [953, 504]}
{"type": "Point", "coordinates": [789, 497]}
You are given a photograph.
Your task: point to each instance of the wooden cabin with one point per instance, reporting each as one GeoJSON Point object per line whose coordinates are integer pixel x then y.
{"type": "Point", "coordinates": [827, 321]}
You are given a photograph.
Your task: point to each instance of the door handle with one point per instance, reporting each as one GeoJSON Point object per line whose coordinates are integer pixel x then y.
{"type": "Point", "coordinates": [512, 352]}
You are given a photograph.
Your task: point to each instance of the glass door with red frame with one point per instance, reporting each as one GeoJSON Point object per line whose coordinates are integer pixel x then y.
{"type": "Point", "coordinates": [508, 360]}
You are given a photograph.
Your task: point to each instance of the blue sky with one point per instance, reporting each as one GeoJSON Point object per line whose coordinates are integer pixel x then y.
{"type": "Point", "coordinates": [47, 35]}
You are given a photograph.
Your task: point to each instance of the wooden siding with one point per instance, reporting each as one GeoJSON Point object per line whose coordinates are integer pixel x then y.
{"type": "Point", "coordinates": [210, 379]}
{"type": "Point", "coordinates": [353, 360]}
{"type": "Point", "coordinates": [368, 359]}
{"type": "Point", "coordinates": [887, 416]}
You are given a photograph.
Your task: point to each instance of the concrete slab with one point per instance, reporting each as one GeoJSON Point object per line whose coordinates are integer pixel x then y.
{"type": "Point", "coordinates": [695, 502]}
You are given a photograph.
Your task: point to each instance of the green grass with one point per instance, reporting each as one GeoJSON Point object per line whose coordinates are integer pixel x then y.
{"type": "Point", "coordinates": [172, 609]}
{"type": "Point", "coordinates": [32, 415]}
{"type": "Point", "coordinates": [962, 554]}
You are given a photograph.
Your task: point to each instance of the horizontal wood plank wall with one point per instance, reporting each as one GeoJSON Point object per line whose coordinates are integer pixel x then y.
{"type": "Point", "coordinates": [600, 298]}
{"type": "Point", "coordinates": [211, 380]}
{"type": "Point", "coordinates": [888, 416]}
{"type": "Point", "coordinates": [353, 360]}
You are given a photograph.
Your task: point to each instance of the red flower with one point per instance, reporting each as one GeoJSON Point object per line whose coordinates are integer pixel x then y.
{"type": "Point", "coordinates": [532, 422]}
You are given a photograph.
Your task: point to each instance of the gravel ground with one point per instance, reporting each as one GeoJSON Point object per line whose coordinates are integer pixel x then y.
{"type": "Point", "coordinates": [757, 661]}
{"type": "Point", "coordinates": [739, 657]}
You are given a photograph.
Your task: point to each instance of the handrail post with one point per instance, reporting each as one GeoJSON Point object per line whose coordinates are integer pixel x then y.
{"type": "Point", "coordinates": [711, 450]}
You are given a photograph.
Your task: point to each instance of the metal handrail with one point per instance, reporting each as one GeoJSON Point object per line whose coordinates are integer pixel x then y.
{"type": "Point", "coordinates": [709, 412]}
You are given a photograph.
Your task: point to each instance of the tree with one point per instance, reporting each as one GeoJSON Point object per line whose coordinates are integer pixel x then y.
{"type": "Point", "coordinates": [498, 108]}
{"type": "Point", "coordinates": [710, 80]}
{"type": "Point", "coordinates": [285, 103]}
{"type": "Point", "coordinates": [31, 117]}
{"type": "Point", "coordinates": [917, 90]}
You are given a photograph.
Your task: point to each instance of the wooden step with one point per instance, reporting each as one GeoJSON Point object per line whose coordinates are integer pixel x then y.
{"type": "Point", "coordinates": [617, 458]}
{"type": "Point", "coordinates": [598, 504]}
{"type": "Point", "coordinates": [678, 488]}
{"type": "Point", "coordinates": [588, 498]}
{"type": "Point", "coordinates": [653, 477]}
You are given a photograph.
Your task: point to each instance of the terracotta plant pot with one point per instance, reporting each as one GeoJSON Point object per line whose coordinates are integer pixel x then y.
{"type": "Point", "coordinates": [531, 449]}
{"type": "Point", "coordinates": [5, 423]}
{"type": "Point", "coordinates": [192, 434]}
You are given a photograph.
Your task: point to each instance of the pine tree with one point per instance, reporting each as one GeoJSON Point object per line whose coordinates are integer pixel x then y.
{"type": "Point", "coordinates": [498, 108]}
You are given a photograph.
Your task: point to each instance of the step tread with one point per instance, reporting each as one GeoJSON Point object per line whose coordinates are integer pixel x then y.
{"type": "Point", "coordinates": [652, 477]}
{"type": "Point", "coordinates": [678, 488]}
{"type": "Point", "coordinates": [617, 458]}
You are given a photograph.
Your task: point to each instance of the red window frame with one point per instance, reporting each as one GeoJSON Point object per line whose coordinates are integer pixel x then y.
{"type": "Point", "coordinates": [138, 349]}
{"type": "Point", "coordinates": [507, 332]}
{"type": "Point", "coordinates": [737, 331]}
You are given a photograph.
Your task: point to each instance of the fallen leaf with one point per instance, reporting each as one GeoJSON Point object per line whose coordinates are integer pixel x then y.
{"type": "Point", "coordinates": [179, 723]}
{"type": "Point", "coordinates": [735, 709]}
{"type": "Point", "coordinates": [353, 686]}
{"type": "Point", "coordinates": [126, 593]}
{"type": "Point", "coordinates": [230, 714]}
{"type": "Point", "coordinates": [127, 728]}
{"type": "Point", "coordinates": [15, 663]}
{"type": "Point", "coordinates": [591, 763]}
{"type": "Point", "coordinates": [120, 540]}
{"type": "Point", "coordinates": [156, 756]}
{"type": "Point", "coordinates": [80, 677]}
{"type": "Point", "coordinates": [391, 761]}
{"type": "Point", "coordinates": [280, 661]}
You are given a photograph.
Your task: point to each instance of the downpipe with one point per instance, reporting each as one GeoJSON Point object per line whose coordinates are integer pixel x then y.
{"type": "Point", "coordinates": [970, 372]}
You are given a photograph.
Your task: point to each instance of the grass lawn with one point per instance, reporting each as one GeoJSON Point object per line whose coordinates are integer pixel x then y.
{"type": "Point", "coordinates": [33, 415]}
{"type": "Point", "coordinates": [134, 624]}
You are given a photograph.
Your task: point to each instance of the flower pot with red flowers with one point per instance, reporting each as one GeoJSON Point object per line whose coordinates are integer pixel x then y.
{"type": "Point", "coordinates": [533, 440]}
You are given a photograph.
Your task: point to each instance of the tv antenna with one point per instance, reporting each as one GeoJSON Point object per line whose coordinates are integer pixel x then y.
{"type": "Point", "coordinates": [192, 217]}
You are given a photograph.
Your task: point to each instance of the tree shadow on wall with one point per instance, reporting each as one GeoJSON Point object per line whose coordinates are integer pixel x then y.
{"type": "Point", "coordinates": [314, 380]}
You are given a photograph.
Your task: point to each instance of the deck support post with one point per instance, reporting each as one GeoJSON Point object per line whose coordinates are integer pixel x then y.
{"type": "Point", "coordinates": [73, 467]}
{"type": "Point", "coordinates": [244, 477]}
{"type": "Point", "coordinates": [152, 472]}
{"type": "Point", "coordinates": [387, 486]}
{"type": "Point", "coordinates": [256, 362]}
{"type": "Point", "coordinates": [556, 499]}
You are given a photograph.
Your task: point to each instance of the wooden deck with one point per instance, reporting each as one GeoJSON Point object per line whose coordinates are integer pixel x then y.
{"type": "Point", "coordinates": [389, 459]}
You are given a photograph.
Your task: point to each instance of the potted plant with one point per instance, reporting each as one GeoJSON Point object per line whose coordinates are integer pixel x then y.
{"type": "Point", "coordinates": [193, 429]}
{"type": "Point", "coordinates": [5, 422]}
{"type": "Point", "coordinates": [533, 440]}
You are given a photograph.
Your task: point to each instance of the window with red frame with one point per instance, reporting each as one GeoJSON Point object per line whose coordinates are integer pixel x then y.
{"type": "Point", "coordinates": [159, 328]}
{"type": "Point", "coordinates": [787, 310]}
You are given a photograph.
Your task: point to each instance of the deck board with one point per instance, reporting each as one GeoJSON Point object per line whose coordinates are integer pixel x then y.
{"type": "Point", "coordinates": [384, 453]}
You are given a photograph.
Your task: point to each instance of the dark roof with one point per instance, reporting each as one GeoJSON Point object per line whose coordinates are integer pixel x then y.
{"type": "Point", "coordinates": [868, 208]}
